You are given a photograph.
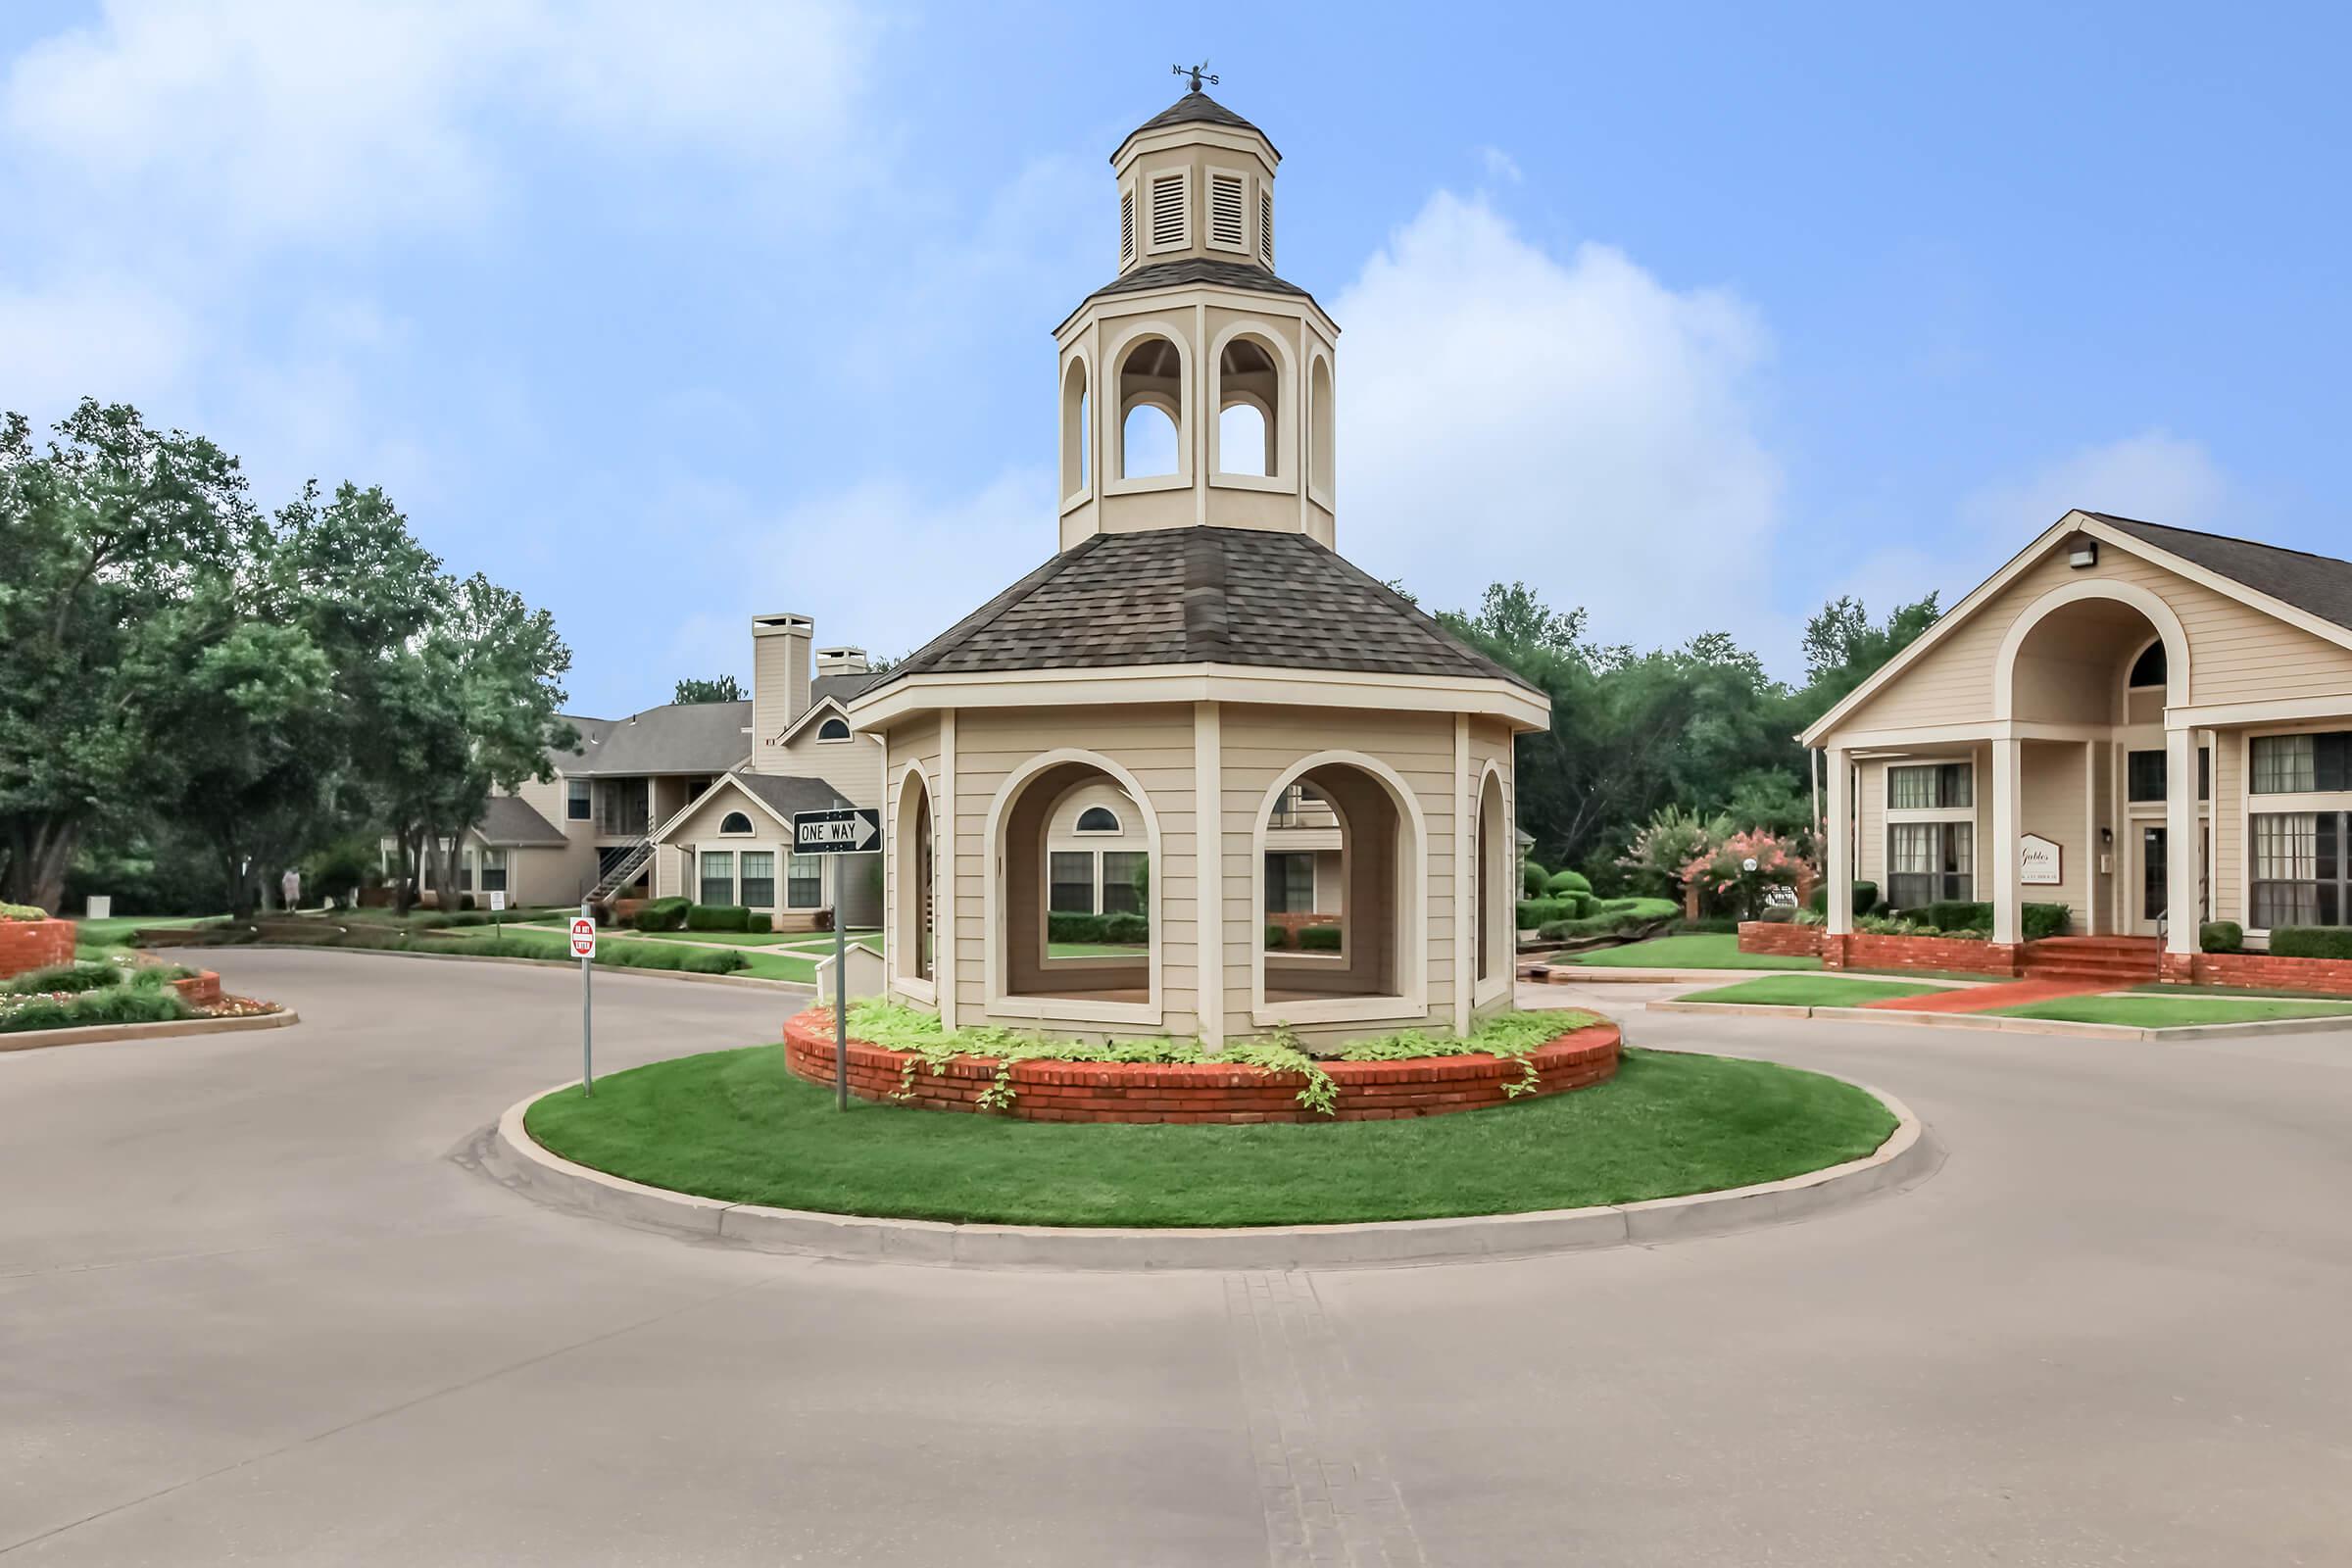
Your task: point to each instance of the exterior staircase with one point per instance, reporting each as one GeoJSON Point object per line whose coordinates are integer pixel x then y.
{"type": "Point", "coordinates": [2119, 960]}
{"type": "Point", "coordinates": [626, 867]}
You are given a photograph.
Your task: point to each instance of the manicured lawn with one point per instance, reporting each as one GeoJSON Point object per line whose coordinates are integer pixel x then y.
{"type": "Point", "coordinates": [766, 965]}
{"type": "Point", "coordinates": [1690, 950]}
{"type": "Point", "coordinates": [729, 939]}
{"type": "Point", "coordinates": [2157, 988]}
{"type": "Point", "coordinates": [1812, 991]}
{"type": "Point", "coordinates": [2159, 1013]}
{"type": "Point", "coordinates": [736, 1125]}
{"type": "Point", "coordinates": [115, 930]}
{"type": "Point", "coordinates": [1096, 950]}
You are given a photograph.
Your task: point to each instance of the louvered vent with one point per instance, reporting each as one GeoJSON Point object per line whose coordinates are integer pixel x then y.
{"type": "Point", "coordinates": [1167, 211]}
{"type": "Point", "coordinates": [1126, 227]}
{"type": "Point", "coordinates": [1265, 226]}
{"type": "Point", "coordinates": [1225, 209]}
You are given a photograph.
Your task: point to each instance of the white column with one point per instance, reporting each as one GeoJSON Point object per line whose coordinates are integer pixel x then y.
{"type": "Point", "coordinates": [2008, 756]}
{"type": "Point", "coordinates": [2090, 860]}
{"type": "Point", "coordinates": [2180, 840]}
{"type": "Point", "coordinates": [1838, 844]}
{"type": "Point", "coordinates": [1208, 839]}
{"type": "Point", "coordinates": [944, 835]}
{"type": "Point", "coordinates": [1467, 894]}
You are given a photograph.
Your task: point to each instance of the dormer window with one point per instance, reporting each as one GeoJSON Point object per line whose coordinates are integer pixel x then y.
{"type": "Point", "coordinates": [1170, 222]}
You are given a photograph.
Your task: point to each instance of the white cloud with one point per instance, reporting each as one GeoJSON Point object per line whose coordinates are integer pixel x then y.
{"type": "Point", "coordinates": [96, 334]}
{"type": "Point", "coordinates": [1507, 413]}
{"type": "Point", "coordinates": [1502, 168]}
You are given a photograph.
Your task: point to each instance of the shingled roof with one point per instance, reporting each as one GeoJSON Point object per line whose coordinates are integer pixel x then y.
{"type": "Point", "coordinates": [1190, 270]}
{"type": "Point", "coordinates": [1195, 108]}
{"type": "Point", "coordinates": [675, 738]}
{"type": "Point", "coordinates": [2319, 585]}
{"type": "Point", "coordinates": [1195, 596]}
{"type": "Point", "coordinates": [510, 819]}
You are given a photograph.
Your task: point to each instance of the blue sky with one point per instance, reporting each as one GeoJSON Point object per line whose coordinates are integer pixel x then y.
{"type": "Point", "coordinates": [667, 314]}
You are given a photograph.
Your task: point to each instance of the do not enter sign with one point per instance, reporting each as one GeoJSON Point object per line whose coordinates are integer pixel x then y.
{"type": "Point", "coordinates": [583, 936]}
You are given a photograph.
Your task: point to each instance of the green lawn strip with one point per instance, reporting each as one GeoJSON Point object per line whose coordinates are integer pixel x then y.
{"type": "Point", "coordinates": [1812, 991]}
{"type": "Point", "coordinates": [2175, 1012]}
{"type": "Point", "coordinates": [115, 930]}
{"type": "Point", "coordinates": [766, 965]}
{"type": "Point", "coordinates": [2158, 988]}
{"type": "Point", "coordinates": [1690, 950]}
{"type": "Point", "coordinates": [735, 1125]}
{"type": "Point", "coordinates": [1095, 950]}
{"type": "Point", "coordinates": [726, 939]}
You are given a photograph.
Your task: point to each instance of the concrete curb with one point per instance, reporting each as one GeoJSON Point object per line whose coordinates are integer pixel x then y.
{"type": "Point", "coordinates": [1991, 1024]}
{"type": "Point", "coordinates": [795, 987]}
{"type": "Point", "coordinates": [509, 1154]}
{"type": "Point", "coordinates": [1598, 974]}
{"type": "Point", "coordinates": [174, 1028]}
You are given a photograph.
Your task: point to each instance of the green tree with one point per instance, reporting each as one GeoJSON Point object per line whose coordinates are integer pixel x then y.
{"type": "Point", "coordinates": [717, 689]}
{"type": "Point", "coordinates": [121, 550]}
{"type": "Point", "coordinates": [1843, 648]}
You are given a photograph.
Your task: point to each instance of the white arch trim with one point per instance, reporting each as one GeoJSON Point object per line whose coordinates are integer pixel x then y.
{"type": "Point", "coordinates": [1290, 391]}
{"type": "Point", "coordinates": [1115, 358]}
{"type": "Point", "coordinates": [1506, 891]}
{"type": "Point", "coordinates": [1059, 1009]}
{"type": "Point", "coordinates": [2158, 612]}
{"type": "Point", "coordinates": [894, 951]}
{"type": "Point", "coordinates": [1411, 1003]}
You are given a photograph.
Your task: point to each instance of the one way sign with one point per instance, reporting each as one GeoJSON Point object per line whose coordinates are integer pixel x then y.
{"type": "Point", "coordinates": [845, 830]}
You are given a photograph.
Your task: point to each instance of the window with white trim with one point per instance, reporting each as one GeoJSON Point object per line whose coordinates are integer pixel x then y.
{"type": "Point", "coordinates": [760, 879]}
{"type": "Point", "coordinates": [1123, 888]}
{"type": "Point", "coordinates": [833, 729]}
{"type": "Point", "coordinates": [577, 803]}
{"type": "Point", "coordinates": [494, 871]}
{"type": "Point", "coordinates": [735, 823]}
{"type": "Point", "coordinates": [717, 880]}
{"type": "Point", "coordinates": [805, 881]}
{"type": "Point", "coordinates": [1070, 882]}
{"type": "Point", "coordinates": [2301, 764]}
{"type": "Point", "coordinates": [1098, 820]}
{"type": "Point", "coordinates": [1929, 862]}
{"type": "Point", "coordinates": [1930, 787]}
{"type": "Point", "coordinates": [1169, 219]}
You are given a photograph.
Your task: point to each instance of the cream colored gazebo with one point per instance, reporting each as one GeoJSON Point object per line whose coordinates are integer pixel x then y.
{"type": "Point", "coordinates": [1197, 654]}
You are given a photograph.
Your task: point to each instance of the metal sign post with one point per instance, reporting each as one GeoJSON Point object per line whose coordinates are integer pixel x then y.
{"type": "Point", "coordinates": [583, 948]}
{"type": "Point", "coordinates": [842, 830]}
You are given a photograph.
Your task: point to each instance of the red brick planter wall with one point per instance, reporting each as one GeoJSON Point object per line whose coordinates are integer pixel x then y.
{"type": "Point", "coordinates": [2261, 969]}
{"type": "Point", "coordinates": [1125, 1092]}
{"type": "Point", "coordinates": [1864, 950]}
{"type": "Point", "coordinates": [1783, 939]}
{"type": "Point", "coordinates": [199, 989]}
{"type": "Point", "coordinates": [28, 944]}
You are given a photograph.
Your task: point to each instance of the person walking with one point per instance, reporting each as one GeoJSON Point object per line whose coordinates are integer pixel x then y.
{"type": "Point", "coordinates": [289, 889]}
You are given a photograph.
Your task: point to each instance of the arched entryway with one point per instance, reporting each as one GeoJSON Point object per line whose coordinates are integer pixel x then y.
{"type": "Point", "coordinates": [1365, 957]}
{"type": "Point", "coordinates": [1062, 944]}
{"type": "Point", "coordinates": [914, 928]}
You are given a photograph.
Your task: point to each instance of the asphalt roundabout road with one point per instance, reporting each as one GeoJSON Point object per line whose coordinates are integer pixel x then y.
{"type": "Point", "coordinates": [257, 1305]}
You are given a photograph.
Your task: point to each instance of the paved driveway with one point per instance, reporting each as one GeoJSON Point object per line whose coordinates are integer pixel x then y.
{"type": "Point", "coordinates": [253, 1312]}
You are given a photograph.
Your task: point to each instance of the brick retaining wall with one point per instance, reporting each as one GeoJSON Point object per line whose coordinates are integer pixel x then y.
{"type": "Point", "coordinates": [1866, 950]}
{"type": "Point", "coordinates": [199, 989]}
{"type": "Point", "coordinates": [1783, 939]}
{"type": "Point", "coordinates": [28, 944]}
{"type": "Point", "coordinates": [1131, 1091]}
{"type": "Point", "coordinates": [2333, 975]}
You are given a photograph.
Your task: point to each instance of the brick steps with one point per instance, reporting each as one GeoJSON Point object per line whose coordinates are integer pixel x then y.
{"type": "Point", "coordinates": [2116, 960]}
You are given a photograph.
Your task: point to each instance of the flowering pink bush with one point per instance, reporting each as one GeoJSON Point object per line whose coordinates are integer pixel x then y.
{"type": "Point", "coordinates": [1723, 870]}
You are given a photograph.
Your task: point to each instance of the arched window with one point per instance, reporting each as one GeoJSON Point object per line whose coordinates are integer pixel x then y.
{"type": "Point", "coordinates": [1492, 870]}
{"type": "Point", "coordinates": [1098, 820]}
{"type": "Point", "coordinates": [1075, 462]}
{"type": "Point", "coordinates": [735, 823]}
{"type": "Point", "coordinates": [1151, 411]}
{"type": "Point", "coordinates": [1349, 914]}
{"type": "Point", "coordinates": [916, 919]}
{"type": "Point", "coordinates": [2148, 669]}
{"type": "Point", "coordinates": [1319, 427]}
{"type": "Point", "coordinates": [1249, 409]}
{"type": "Point", "coordinates": [833, 729]}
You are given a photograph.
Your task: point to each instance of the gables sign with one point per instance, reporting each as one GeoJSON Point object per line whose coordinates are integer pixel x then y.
{"type": "Point", "coordinates": [2040, 863]}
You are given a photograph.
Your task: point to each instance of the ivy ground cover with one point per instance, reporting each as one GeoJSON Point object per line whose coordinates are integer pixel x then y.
{"type": "Point", "coordinates": [736, 1125]}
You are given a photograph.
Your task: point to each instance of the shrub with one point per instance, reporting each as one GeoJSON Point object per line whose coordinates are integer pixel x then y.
{"type": "Point", "coordinates": [63, 977]}
{"type": "Point", "coordinates": [822, 919]}
{"type": "Point", "coordinates": [22, 912]}
{"type": "Point", "coordinates": [1950, 914]}
{"type": "Point", "coordinates": [1319, 938]}
{"type": "Point", "coordinates": [1064, 925]}
{"type": "Point", "coordinates": [1275, 936]}
{"type": "Point", "coordinates": [1560, 882]}
{"type": "Point", "coordinates": [1639, 910]}
{"type": "Point", "coordinates": [2222, 936]}
{"type": "Point", "coordinates": [1866, 898]}
{"type": "Point", "coordinates": [1532, 879]}
{"type": "Point", "coordinates": [1537, 912]}
{"type": "Point", "coordinates": [113, 1004]}
{"type": "Point", "coordinates": [2312, 942]}
{"type": "Point", "coordinates": [1778, 913]}
{"type": "Point", "coordinates": [2039, 920]}
{"type": "Point", "coordinates": [1126, 928]}
{"type": "Point", "coordinates": [718, 917]}
{"type": "Point", "coordinates": [662, 914]}
{"type": "Point", "coordinates": [758, 922]}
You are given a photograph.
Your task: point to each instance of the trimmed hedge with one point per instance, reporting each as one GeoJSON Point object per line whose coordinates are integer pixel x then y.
{"type": "Point", "coordinates": [1276, 936]}
{"type": "Point", "coordinates": [1532, 879]}
{"type": "Point", "coordinates": [1063, 925]}
{"type": "Point", "coordinates": [759, 922]}
{"type": "Point", "coordinates": [662, 914]}
{"type": "Point", "coordinates": [2312, 942]}
{"type": "Point", "coordinates": [2036, 921]}
{"type": "Point", "coordinates": [2223, 936]}
{"type": "Point", "coordinates": [717, 917]}
{"type": "Point", "coordinates": [1538, 912]}
{"type": "Point", "coordinates": [1319, 938]}
{"type": "Point", "coordinates": [1560, 882]}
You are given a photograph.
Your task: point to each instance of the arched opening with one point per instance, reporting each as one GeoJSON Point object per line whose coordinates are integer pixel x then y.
{"type": "Point", "coordinates": [1074, 460]}
{"type": "Point", "coordinates": [1151, 409]}
{"type": "Point", "coordinates": [1249, 409]}
{"type": "Point", "coordinates": [833, 729]}
{"type": "Point", "coordinates": [1494, 888]}
{"type": "Point", "coordinates": [1075, 906]}
{"type": "Point", "coordinates": [1337, 836]}
{"type": "Point", "coordinates": [1319, 427]}
{"type": "Point", "coordinates": [735, 823]}
{"type": "Point", "coordinates": [916, 921]}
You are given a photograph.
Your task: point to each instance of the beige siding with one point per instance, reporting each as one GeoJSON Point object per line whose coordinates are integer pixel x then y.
{"type": "Point", "coordinates": [2228, 826]}
{"type": "Point", "coordinates": [2237, 653]}
{"type": "Point", "coordinates": [854, 767]}
{"type": "Point", "coordinates": [2050, 794]}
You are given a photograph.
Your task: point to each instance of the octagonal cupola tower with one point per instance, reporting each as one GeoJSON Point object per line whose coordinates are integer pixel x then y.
{"type": "Point", "coordinates": [1195, 386]}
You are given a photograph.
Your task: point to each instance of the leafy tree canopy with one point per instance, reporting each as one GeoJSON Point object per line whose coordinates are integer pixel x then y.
{"type": "Point", "coordinates": [717, 689]}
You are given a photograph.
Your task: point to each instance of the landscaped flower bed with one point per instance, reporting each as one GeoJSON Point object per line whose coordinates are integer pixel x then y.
{"type": "Point", "coordinates": [898, 1055]}
{"type": "Point", "coordinates": [123, 990]}
{"type": "Point", "coordinates": [29, 940]}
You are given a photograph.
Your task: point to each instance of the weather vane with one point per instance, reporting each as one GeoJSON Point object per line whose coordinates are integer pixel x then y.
{"type": "Point", "coordinates": [1196, 72]}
